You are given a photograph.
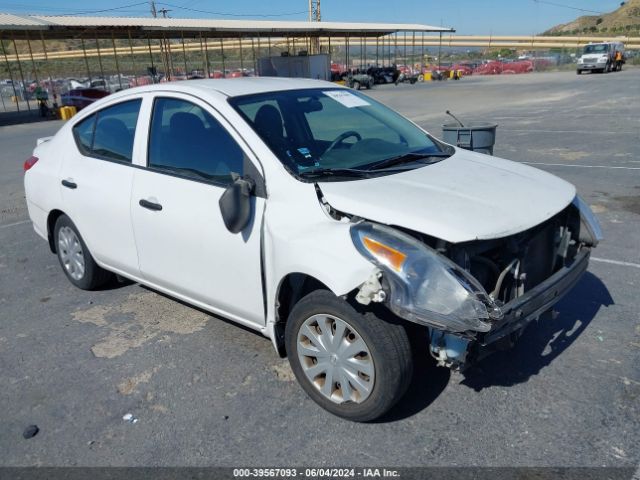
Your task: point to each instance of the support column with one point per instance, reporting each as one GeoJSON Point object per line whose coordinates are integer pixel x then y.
{"type": "Point", "coordinates": [224, 71]}
{"type": "Point", "coordinates": [48, 69]}
{"type": "Point", "coordinates": [115, 56]}
{"type": "Point", "coordinates": [100, 61]}
{"type": "Point", "coordinates": [86, 62]}
{"type": "Point", "coordinates": [33, 63]}
{"type": "Point", "coordinates": [184, 55]}
{"type": "Point", "coordinates": [24, 88]}
{"type": "Point", "coordinates": [13, 84]}
{"type": "Point", "coordinates": [153, 77]}
{"type": "Point", "coordinates": [133, 62]}
{"type": "Point", "coordinates": [346, 52]}
{"type": "Point", "coordinates": [439, 51]}
{"type": "Point", "coordinates": [207, 70]}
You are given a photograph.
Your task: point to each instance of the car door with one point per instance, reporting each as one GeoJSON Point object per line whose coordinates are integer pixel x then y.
{"type": "Point", "coordinates": [97, 177]}
{"type": "Point", "coordinates": [183, 244]}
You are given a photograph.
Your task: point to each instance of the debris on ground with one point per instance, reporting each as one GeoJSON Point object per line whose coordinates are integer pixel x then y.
{"type": "Point", "coordinates": [130, 418]}
{"type": "Point", "coordinates": [31, 431]}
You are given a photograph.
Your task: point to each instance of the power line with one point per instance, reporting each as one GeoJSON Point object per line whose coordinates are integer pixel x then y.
{"type": "Point", "coordinates": [568, 6]}
{"type": "Point", "coordinates": [233, 14]}
{"type": "Point", "coordinates": [65, 10]}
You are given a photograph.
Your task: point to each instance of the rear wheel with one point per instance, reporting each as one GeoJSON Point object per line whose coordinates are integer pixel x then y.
{"type": "Point", "coordinates": [356, 85]}
{"type": "Point", "coordinates": [75, 258]}
{"type": "Point", "coordinates": [356, 366]}
{"type": "Point", "coordinates": [578, 72]}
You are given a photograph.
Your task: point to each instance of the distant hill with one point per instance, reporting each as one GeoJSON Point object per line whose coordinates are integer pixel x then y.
{"type": "Point", "coordinates": [623, 21]}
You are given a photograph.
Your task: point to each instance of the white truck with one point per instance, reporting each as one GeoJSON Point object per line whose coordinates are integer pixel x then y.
{"type": "Point", "coordinates": [601, 57]}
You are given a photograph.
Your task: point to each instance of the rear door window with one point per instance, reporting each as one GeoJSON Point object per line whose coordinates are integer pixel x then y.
{"type": "Point", "coordinates": [109, 133]}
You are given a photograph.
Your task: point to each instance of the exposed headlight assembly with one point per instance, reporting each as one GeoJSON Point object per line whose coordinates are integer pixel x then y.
{"type": "Point", "coordinates": [590, 230]}
{"type": "Point", "coordinates": [426, 287]}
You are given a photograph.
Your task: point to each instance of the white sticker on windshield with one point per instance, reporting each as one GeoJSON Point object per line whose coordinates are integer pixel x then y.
{"type": "Point", "coordinates": [346, 98]}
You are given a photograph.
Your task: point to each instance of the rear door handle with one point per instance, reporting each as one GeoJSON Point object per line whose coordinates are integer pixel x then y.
{"type": "Point", "coordinates": [150, 205]}
{"type": "Point", "coordinates": [69, 184]}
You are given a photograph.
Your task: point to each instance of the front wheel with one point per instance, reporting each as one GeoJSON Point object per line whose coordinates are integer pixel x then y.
{"type": "Point", "coordinates": [356, 366]}
{"type": "Point", "coordinates": [74, 256]}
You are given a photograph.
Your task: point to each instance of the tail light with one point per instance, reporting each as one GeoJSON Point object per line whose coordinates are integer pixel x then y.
{"type": "Point", "coordinates": [30, 162]}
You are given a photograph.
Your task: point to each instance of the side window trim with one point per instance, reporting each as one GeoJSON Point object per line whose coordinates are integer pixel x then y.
{"type": "Point", "coordinates": [95, 115]}
{"type": "Point", "coordinates": [79, 145]}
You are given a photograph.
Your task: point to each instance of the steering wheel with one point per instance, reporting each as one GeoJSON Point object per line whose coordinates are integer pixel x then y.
{"type": "Point", "coordinates": [341, 138]}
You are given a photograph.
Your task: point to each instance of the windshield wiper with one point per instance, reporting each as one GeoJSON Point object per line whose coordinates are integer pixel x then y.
{"type": "Point", "coordinates": [338, 172]}
{"type": "Point", "coordinates": [407, 157]}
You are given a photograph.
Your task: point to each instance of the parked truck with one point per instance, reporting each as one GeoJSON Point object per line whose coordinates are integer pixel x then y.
{"type": "Point", "coordinates": [601, 57]}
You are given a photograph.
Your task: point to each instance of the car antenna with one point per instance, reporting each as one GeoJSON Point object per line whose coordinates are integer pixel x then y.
{"type": "Point", "coordinates": [454, 117]}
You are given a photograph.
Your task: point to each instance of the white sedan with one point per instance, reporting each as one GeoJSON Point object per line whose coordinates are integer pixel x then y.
{"type": "Point", "coordinates": [316, 216]}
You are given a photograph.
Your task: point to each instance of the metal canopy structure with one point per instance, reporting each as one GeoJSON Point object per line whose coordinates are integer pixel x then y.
{"type": "Point", "coordinates": [67, 27]}
{"type": "Point", "coordinates": [119, 52]}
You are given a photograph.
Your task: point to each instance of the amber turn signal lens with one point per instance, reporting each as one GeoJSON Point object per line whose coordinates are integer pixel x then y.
{"type": "Point", "coordinates": [388, 255]}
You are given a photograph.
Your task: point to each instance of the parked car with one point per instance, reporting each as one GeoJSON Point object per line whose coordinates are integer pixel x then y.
{"type": "Point", "coordinates": [316, 216]}
{"type": "Point", "coordinates": [382, 75]}
{"type": "Point", "coordinates": [359, 80]}
{"type": "Point", "coordinates": [82, 97]}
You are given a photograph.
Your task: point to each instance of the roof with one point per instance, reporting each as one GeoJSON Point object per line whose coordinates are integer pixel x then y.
{"type": "Point", "coordinates": [66, 26]}
{"type": "Point", "coordinates": [233, 87]}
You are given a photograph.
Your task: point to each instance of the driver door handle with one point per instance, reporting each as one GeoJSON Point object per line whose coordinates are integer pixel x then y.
{"type": "Point", "coordinates": [69, 184]}
{"type": "Point", "coordinates": [150, 205]}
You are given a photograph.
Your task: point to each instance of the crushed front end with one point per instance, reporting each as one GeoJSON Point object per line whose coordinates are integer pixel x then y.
{"type": "Point", "coordinates": [476, 295]}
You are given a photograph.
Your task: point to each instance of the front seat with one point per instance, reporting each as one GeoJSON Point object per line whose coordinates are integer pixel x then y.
{"type": "Point", "coordinates": [188, 139]}
{"type": "Point", "coordinates": [269, 125]}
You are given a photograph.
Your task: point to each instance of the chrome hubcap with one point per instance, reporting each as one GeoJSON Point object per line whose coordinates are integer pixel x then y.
{"type": "Point", "coordinates": [335, 359]}
{"type": "Point", "coordinates": [71, 254]}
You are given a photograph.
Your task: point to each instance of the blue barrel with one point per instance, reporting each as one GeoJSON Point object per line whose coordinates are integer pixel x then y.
{"type": "Point", "coordinates": [479, 137]}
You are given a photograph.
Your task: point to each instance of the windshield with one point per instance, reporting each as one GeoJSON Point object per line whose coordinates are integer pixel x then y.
{"type": "Point", "coordinates": [336, 133]}
{"type": "Point", "coordinates": [599, 48]}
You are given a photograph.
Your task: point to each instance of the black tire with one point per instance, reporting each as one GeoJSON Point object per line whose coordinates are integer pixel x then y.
{"type": "Point", "coordinates": [387, 343]}
{"type": "Point", "coordinates": [356, 85]}
{"type": "Point", "coordinates": [94, 276]}
{"type": "Point", "coordinates": [578, 72]}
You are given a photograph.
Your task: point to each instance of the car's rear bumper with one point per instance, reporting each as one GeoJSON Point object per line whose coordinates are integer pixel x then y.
{"type": "Point", "coordinates": [538, 300]}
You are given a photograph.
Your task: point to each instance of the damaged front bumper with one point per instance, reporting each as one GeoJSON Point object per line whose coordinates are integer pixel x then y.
{"type": "Point", "coordinates": [454, 350]}
{"type": "Point", "coordinates": [419, 284]}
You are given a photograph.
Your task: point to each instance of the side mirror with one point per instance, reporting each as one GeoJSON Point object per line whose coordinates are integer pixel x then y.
{"type": "Point", "coordinates": [235, 204]}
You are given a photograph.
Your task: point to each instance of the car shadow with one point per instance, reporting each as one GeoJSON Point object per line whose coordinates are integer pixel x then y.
{"type": "Point", "coordinates": [426, 385]}
{"type": "Point", "coordinates": [543, 341]}
{"type": "Point", "coordinates": [540, 344]}
{"type": "Point", "coordinates": [114, 283]}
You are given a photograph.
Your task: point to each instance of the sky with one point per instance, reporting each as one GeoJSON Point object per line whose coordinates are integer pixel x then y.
{"type": "Point", "coordinates": [479, 17]}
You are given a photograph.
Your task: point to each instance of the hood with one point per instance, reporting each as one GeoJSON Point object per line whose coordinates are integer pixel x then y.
{"type": "Point", "coordinates": [465, 197]}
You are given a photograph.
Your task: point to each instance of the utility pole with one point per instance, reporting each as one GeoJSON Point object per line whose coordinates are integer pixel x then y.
{"type": "Point", "coordinates": [164, 46]}
{"type": "Point", "coordinates": [314, 16]}
{"type": "Point", "coordinates": [314, 10]}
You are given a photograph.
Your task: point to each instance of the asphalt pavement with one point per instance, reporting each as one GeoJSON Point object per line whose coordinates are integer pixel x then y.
{"type": "Point", "coordinates": [207, 392]}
